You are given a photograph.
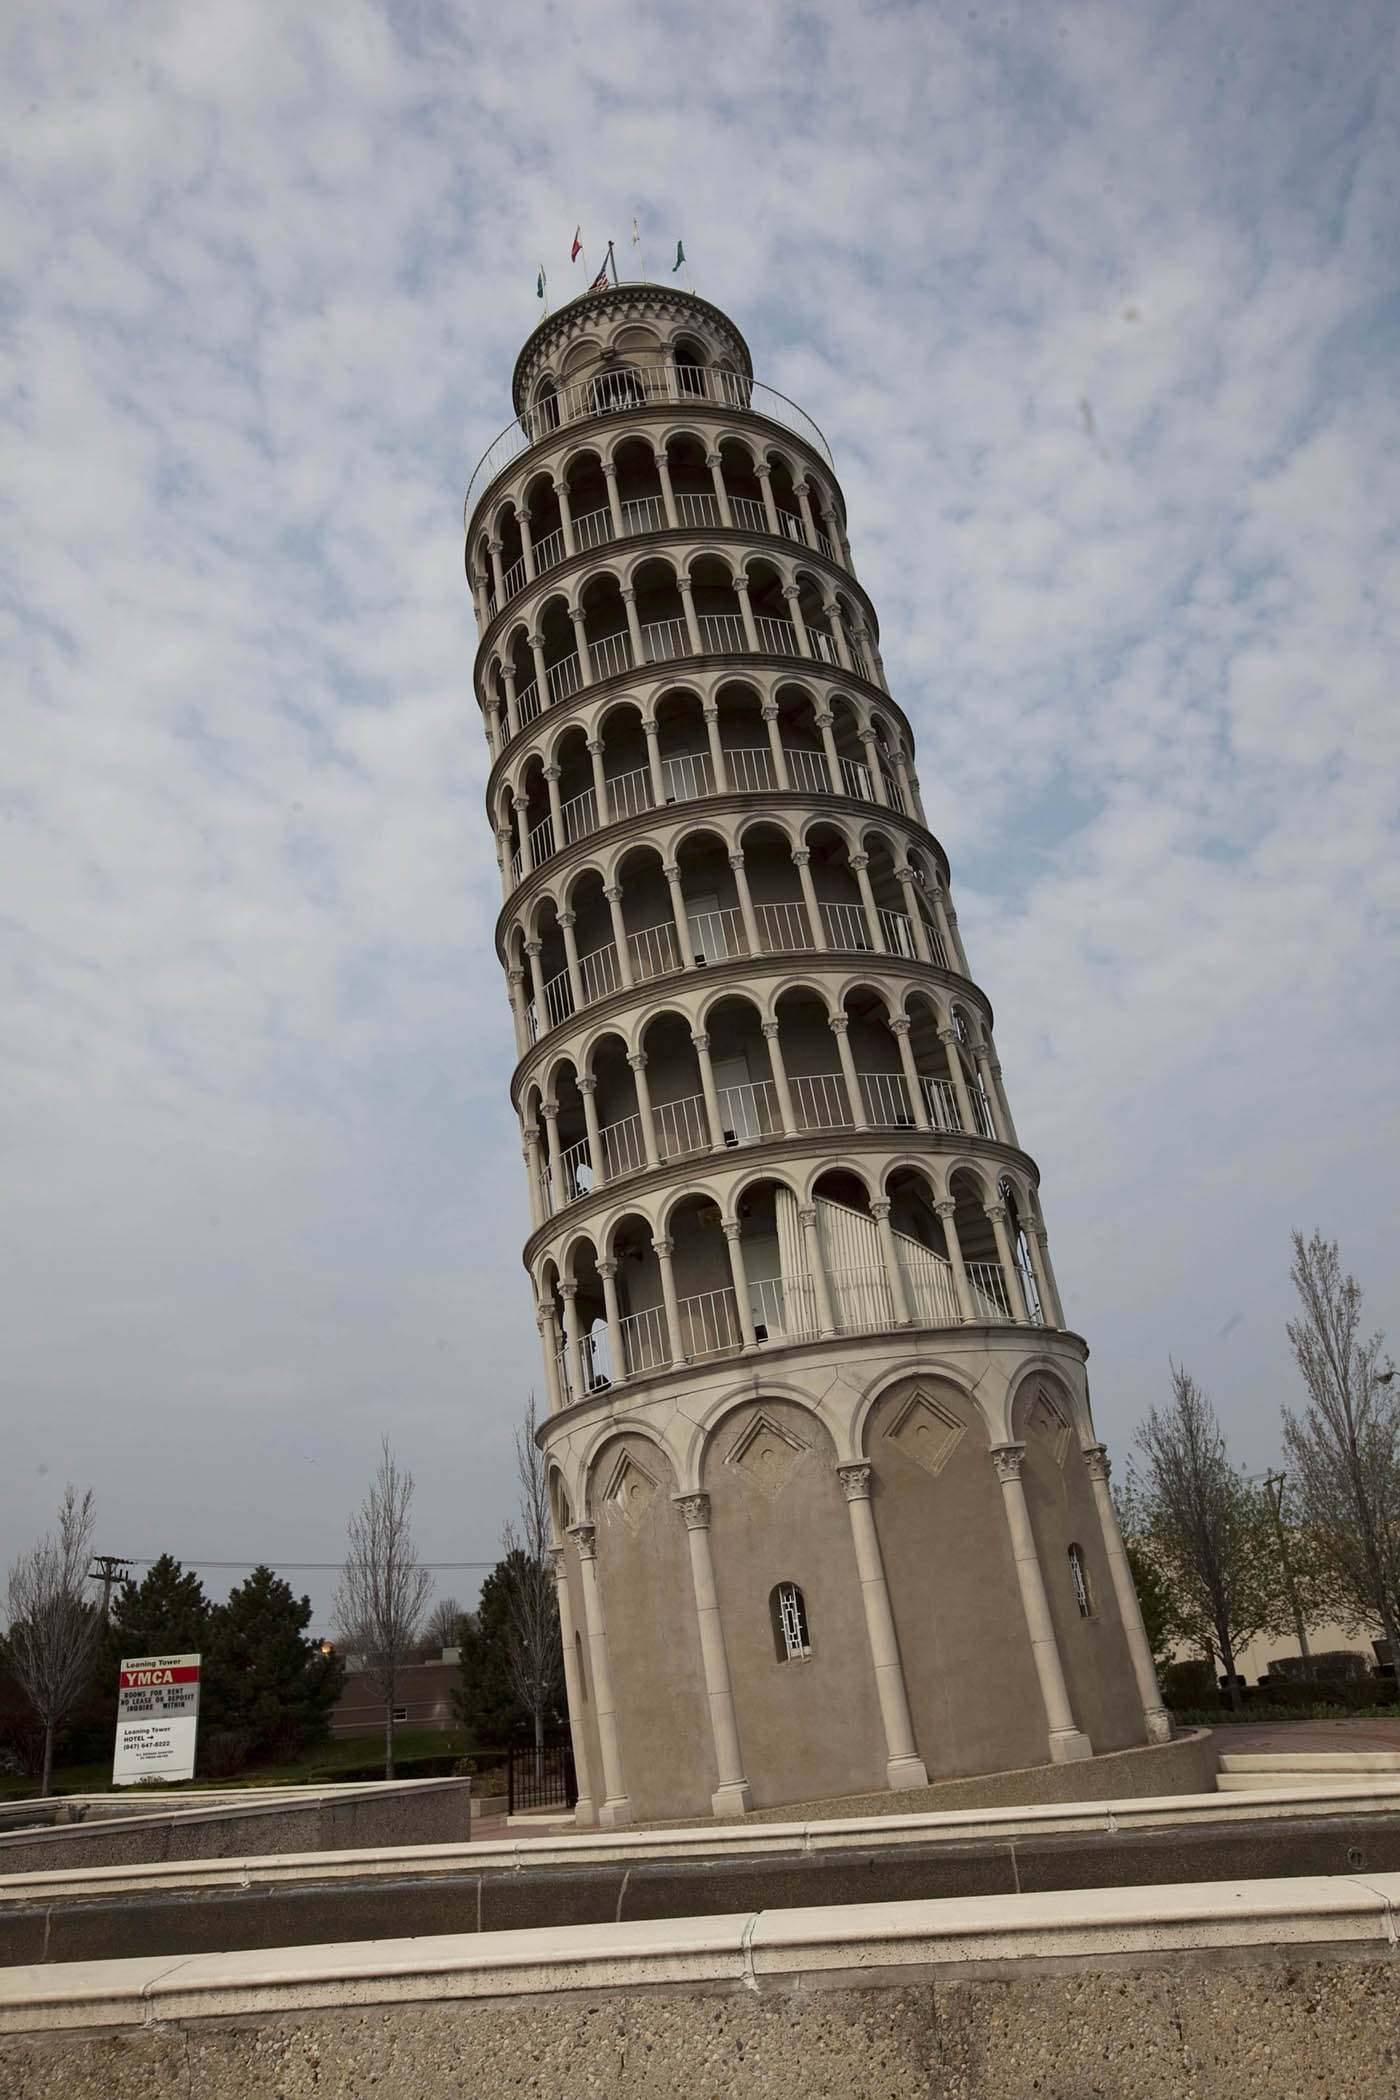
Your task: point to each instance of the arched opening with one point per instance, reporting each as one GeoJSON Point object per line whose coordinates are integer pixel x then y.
{"type": "Point", "coordinates": [716, 606]}
{"type": "Point", "coordinates": [742, 487]}
{"type": "Point", "coordinates": [563, 675]}
{"type": "Point", "coordinates": [782, 1302]}
{"type": "Point", "coordinates": [789, 510]}
{"type": "Point", "coordinates": [1019, 1226]}
{"type": "Point", "coordinates": [626, 766]}
{"type": "Point", "coordinates": [839, 904]}
{"type": "Point", "coordinates": [588, 501]}
{"type": "Point", "coordinates": [686, 768]}
{"type": "Point", "coordinates": [987, 1286]}
{"type": "Point", "coordinates": [639, 487]}
{"type": "Point", "coordinates": [691, 363]}
{"type": "Point", "coordinates": [673, 1079]}
{"type": "Point", "coordinates": [713, 914]}
{"type": "Point", "coordinates": [884, 1091]}
{"type": "Point", "coordinates": [852, 1256]}
{"type": "Point", "coordinates": [744, 1091]}
{"type": "Point", "coordinates": [894, 922]}
{"type": "Point", "coordinates": [665, 636]}
{"type": "Point", "coordinates": [706, 1306]}
{"type": "Point", "coordinates": [599, 974]}
{"type": "Point", "coordinates": [743, 736]}
{"type": "Point", "coordinates": [595, 1355]}
{"type": "Point", "coordinates": [776, 634]}
{"type": "Point", "coordinates": [779, 907]}
{"type": "Point", "coordinates": [921, 1250]}
{"type": "Point", "coordinates": [850, 752]}
{"type": "Point", "coordinates": [641, 1305]}
{"type": "Point", "coordinates": [577, 796]}
{"type": "Point", "coordinates": [546, 526]}
{"type": "Point", "coordinates": [652, 947]}
{"type": "Point", "coordinates": [692, 485]}
{"type": "Point", "coordinates": [605, 626]}
{"type": "Point", "coordinates": [815, 1081]}
{"type": "Point", "coordinates": [621, 1142]}
{"type": "Point", "coordinates": [940, 1100]}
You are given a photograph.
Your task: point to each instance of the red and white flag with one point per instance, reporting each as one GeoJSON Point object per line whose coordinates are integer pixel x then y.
{"type": "Point", "coordinates": [577, 249]}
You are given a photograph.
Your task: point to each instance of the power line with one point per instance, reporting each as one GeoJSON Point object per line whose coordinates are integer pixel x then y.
{"type": "Point", "coordinates": [299, 1567]}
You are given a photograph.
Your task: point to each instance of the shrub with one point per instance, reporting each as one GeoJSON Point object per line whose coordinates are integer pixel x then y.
{"type": "Point", "coordinates": [225, 1751]}
{"type": "Point", "coordinates": [1190, 1684]}
{"type": "Point", "coordinates": [1333, 1666]}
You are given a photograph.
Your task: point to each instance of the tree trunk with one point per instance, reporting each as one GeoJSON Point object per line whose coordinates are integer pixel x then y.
{"type": "Point", "coordinates": [1227, 1655]}
{"type": "Point", "coordinates": [539, 1745]}
{"type": "Point", "coordinates": [389, 1737]}
{"type": "Point", "coordinates": [46, 1783]}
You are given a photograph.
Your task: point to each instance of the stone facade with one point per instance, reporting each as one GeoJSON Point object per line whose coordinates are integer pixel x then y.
{"type": "Point", "coordinates": [830, 1509]}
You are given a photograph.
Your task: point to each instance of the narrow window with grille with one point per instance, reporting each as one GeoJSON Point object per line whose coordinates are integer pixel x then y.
{"type": "Point", "coordinates": [791, 1639]}
{"type": "Point", "coordinates": [1078, 1575]}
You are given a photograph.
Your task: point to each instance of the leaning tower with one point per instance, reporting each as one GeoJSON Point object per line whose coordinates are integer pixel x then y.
{"type": "Point", "coordinates": [830, 1511]}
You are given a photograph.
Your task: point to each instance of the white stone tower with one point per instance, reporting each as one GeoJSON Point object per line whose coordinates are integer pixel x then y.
{"type": "Point", "coordinates": [830, 1508]}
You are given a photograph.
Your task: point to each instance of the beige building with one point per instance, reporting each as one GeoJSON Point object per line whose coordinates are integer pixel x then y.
{"type": "Point", "coordinates": [831, 1511]}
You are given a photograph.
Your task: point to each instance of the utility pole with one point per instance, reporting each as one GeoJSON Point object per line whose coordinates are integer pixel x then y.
{"type": "Point", "coordinates": [108, 1568]}
{"type": "Point", "coordinates": [1273, 1483]}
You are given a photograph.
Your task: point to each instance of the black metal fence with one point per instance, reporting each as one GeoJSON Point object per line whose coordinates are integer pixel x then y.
{"type": "Point", "coordinates": [541, 1777]}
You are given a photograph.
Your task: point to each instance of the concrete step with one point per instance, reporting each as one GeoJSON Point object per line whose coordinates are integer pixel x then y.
{"type": "Point", "coordinates": [1325, 1782]}
{"type": "Point", "coordinates": [1320, 1761]}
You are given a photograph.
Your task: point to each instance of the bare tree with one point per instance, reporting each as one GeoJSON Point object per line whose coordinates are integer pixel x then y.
{"type": "Point", "coordinates": [534, 1655]}
{"type": "Point", "coordinates": [54, 1627]}
{"type": "Point", "coordinates": [1345, 1446]}
{"type": "Point", "coordinates": [1205, 1527]}
{"type": "Point", "coordinates": [444, 1625]}
{"type": "Point", "coordinates": [382, 1590]}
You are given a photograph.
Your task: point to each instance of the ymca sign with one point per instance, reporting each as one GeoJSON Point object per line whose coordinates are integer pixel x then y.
{"type": "Point", "coordinates": [157, 1718]}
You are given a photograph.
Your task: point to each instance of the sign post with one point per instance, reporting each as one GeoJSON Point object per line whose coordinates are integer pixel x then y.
{"type": "Point", "coordinates": [157, 1718]}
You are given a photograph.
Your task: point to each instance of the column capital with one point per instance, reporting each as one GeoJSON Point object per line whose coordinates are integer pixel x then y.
{"type": "Point", "coordinates": [534, 947]}
{"type": "Point", "coordinates": [515, 976]}
{"type": "Point", "coordinates": [519, 800]}
{"type": "Point", "coordinates": [864, 736]}
{"type": "Point", "coordinates": [637, 1059]}
{"type": "Point", "coordinates": [860, 862]}
{"type": "Point", "coordinates": [769, 1031]}
{"type": "Point", "coordinates": [709, 714]}
{"type": "Point", "coordinates": [658, 453]}
{"type": "Point", "coordinates": [995, 1211]}
{"type": "Point", "coordinates": [763, 470]}
{"type": "Point", "coordinates": [663, 1248]}
{"type": "Point", "coordinates": [946, 1208]}
{"type": "Point", "coordinates": [807, 1216]}
{"type": "Point", "coordinates": [628, 595]}
{"type": "Point", "coordinates": [713, 460]}
{"type": "Point", "coordinates": [613, 893]}
{"type": "Point", "coordinates": [560, 487]}
{"type": "Point", "coordinates": [906, 874]}
{"type": "Point", "coordinates": [672, 873]}
{"type": "Point", "coordinates": [554, 772]}
{"type": "Point", "coordinates": [567, 1290]}
{"type": "Point", "coordinates": [733, 1228]}
{"type": "Point", "coordinates": [549, 1110]}
{"type": "Point", "coordinates": [695, 1509]}
{"type": "Point", "coordinates": [792, 591]}
{"type": "Point", "coordinates": [1097, 1461]}
{"type": "Point", "coordinates": [607, 1267]}
{"type": "Point", "coordinates": [576, 615]}
{"type": "Point", "coordinates": [534, 641]}
{"type": "Point", "coordinates": [801, 488]}
{"type": "Point", "coordinates": [900, 1025]}
{"type": "Point", "coordinates": [1040, 1235]}
{"type": "Point", "coordinates": [769, 711]}
{"type": "Point", "coordinates": [1007, 1460]}
{"type": "Point", "coordinates": [609, 467]}
{"type": "Point", "coordinates": [701, 1038]}
{"type": "Point", "coordinates": [542, 1317]}
{"type": "Point", "coordinates": [880, 1210]}
{"type": "Point", "coordinates": [594, 746]}
{"type": "Point", "coordinates": [556, 1558]}
{"type": "Point", "coordinates": [839, 1024]}
{"type": "Point", "coordinates": [947, 1035]}
{"type": "Point", "coordinates": [802, 857]}
{"type": "Point", "coordinates": [736, 861]}
{"type": "Point", "coordinates": [588, 1083]}
{"type": "Point", "coordinates": [684, 584]}
{"type": "Point", "coordinates": [855, 1482]}
{"type": "Point", "coordinates": [585, 1537]}
{"type": "Point", "coordinates": [496, 546]}
{"type": "Point", "coordinates": [825, 719]}
{"type": "Point", "coordinates": [568, 918]}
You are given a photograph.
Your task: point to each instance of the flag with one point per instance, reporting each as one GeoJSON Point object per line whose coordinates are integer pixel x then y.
{"type": "Point", "coordinates": [539, 286]}
{"type": "Point", "coordinates": [636, 240]}
{"type": "Point", "coordinates": [600, 282]}
{"type": "Point", "coordinates": [680, 257]}
{"type": "Point", "coordinates": [577, 248]}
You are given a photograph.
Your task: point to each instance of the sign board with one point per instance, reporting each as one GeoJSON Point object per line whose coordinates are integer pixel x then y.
{"type": "Point", "coordinates": [157, 1716]}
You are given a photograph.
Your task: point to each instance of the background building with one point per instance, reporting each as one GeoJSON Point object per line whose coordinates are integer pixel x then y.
{"type": "Point", "coordinates": [831, 1511]}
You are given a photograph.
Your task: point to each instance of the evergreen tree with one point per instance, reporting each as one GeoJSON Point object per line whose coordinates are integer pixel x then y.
{"type": "Point", "coordinates": [264, 1678]}
{"type": "Point", "coordinates": [166, 1613]}
{"type": "Point", "coordinates": [486, 1700]}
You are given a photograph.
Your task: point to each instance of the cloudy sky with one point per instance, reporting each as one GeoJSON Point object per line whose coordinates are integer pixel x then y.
{"type": "Point", "coordinates": [1098, 307]}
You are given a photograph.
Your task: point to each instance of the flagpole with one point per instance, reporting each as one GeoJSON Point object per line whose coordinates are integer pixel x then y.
{"type": "Point", "coordinates": [636, 242]}
{"type": "Point", "coordinates": [613, 260]}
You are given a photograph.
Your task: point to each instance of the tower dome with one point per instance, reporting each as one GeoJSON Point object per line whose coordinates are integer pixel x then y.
{"type": "Point", "coordinates": [830, 1510]}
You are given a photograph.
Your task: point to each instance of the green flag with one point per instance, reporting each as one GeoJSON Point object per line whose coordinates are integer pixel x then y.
{"type": "Point", "coordinates": [539, 285]}
{"type": "Point", "coordinates": [680, 257]}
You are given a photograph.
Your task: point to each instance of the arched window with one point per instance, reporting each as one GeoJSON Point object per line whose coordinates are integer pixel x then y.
{"type": "Point", "coordinates": [1079, 1576]}
{"type": "Point", "coordinates": [791, 1640]}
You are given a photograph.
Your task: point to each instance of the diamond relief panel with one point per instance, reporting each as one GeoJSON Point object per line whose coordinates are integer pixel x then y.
{"type": "Point", "coordinates": [927, 1432]}
{"type": "Point", "coordinates": [630, 1491]}
{"type": "Point", "coordinates": [766, 1454]}
{"type": "Point", "coordinates": [1044, 1419]}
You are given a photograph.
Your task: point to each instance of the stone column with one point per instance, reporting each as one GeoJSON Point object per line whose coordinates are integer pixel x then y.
{"type": "Point", "coordinates": [634, 626]}
{"type": "Point", "coordinates": [533, 951]}
{"type": "Point", "coordinates": [1015, 1297]}
{"type": "Point", "coordinates": [505, 857]}
{"type": "Point", "coordinates": [527, 544]}
{"type": "Point", "coordinates": [573, 1687]}
{"type": "Point", "coordinates": [566, 517]}
{"type": "Point", "coordinates": [733, 1233]}
{"type": "Point", "coordinates": [552, 776]}
{"type": "Point", "coordinates": [780, 1078]}
{"type": "Point", "coordinates": [637, 1059]}
{"type": "Point", "coordinates": [769, 712]}
{"type": "Point", "coordinates": [1067, 1742]}
{"type": "Point", "coordinates": [1158, 1719]}
{"type": "Point", "coordinates": [716, 467]}
{"type": "Point", "coordinates": [945, 936]}
{"type": "Point", "coordinates": [673, 879]}
{"type": "Point", "coordinates": [731, 1797]}
{"type": "Point", "coordinates": [989, 1092]}
{"type": "Point", "coordinates": [616, 1807]}
{"type": "Point", "coordinates": [536, 643]}
{"type": "Point", "coordinates": [860, 868]}
{"type": "Point", "coordinates": [717, 758]}
{"type": "Point", "coordinates": [840, 1026]}
{"type": "Point", "coordinates": [874, 767]}
{"type": "Point", "coordinates": [534, 1183]}
{"type": "Point", "coordinates": [833, 756]}
{"type": "Point", "coordinates": [549, 1336]}
{"type": "Point", "coordinates": [816, 1269]}
{"type": "Point", "coordinates": [802, 861]}
{"type": "Point", "coordinates": [621, 946]}
{"type": "Point", "coordinates": [668, 496]}
{"type": "Point", "coordinates": [658, 778]}
{"type": "Point", "coordinates": [663, 1249]}
{"type": "Point", "coordinates": [692, 625]}
{"type": "Point", "coordinates": [707, 1087]}
{"type": "Point", "coordinates": [802, 493]}
{"type": "Point", "coordinates": [764, 473]}
{"type": "Point", "coordinates": [588, 1087]}
{"type": "Point", "coordinates": [903, 1765]}
{"type": "Point", "coordinates": [838, 633]}
{"type": "Point", "coordinates": [498, 582]}
{"type": "Point", "coordinates": [746, 910]}
{"type": "Point", "coordinates": [515, 981]}
{"type": "Point", "coordinates": [612, 1312]}
{"type": "Point", "coordinates": [899, 1029]}
{"type": "Point", "coordinates": [1045, 1276]}
{"type": "Point", "coordinates": [947, 1211]}
{"type": "Point", "coordinates": [512, 701]}
{"type": "Point", "coordinates": [567, 922]}
{"type": "Point", "coordinates": [741, 592]}
{"type": "Point", "coordinates": [581, 648]}
{"type": "Point", "coordinates": [910, 883]}
{"type": "Point", "coordinates": [600, 779]}
{"type": "Point", "coordinates": [948, 1037]}
{"type": "Point", "coordinates": [521, 807]}
{"type": "Point", "coordinates": [889, 1254]}
{"type": "Point", "coordinates": [1001, 1106]}
{"type": "Point", "coordinates": [573, 1346]}
{"type": "Point", "coordinates": [609, 467]}
{"type": "Point", "coordinates": [804, 640]}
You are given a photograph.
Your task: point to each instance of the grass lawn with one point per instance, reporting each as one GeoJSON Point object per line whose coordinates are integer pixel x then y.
{"type": "Point", "coordinates": [321, 1764]}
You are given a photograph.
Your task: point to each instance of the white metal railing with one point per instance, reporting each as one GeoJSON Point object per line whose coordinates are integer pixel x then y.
{"type": "Point", "coordinates": [698, 510]}
{"type": "Point", "coordinates": [807, 770]}
{"type": "Point", "coordinates": [514, 580]}
{"type": "Point", "coordinates": [717, 935]}
{"type": "Point", "coordinates": [935, 942]}
{"type": "Point", "coordinates": [527, 701]}
{"type": "Point", "coordinates": [777, 637]}
{"type": "Point", "coordinates": [748, 515]}
{"type": "Point", "coordinates": [885, 1099]}
{"type": "Point", "coordinates": [566, 1383]}
{"type": "Point", "coordinates": [517, 865]}
{"type": "Point", "coordinates": [783, 1308]}
{"type": "Point", "coordinates": [709, 1323]}
{"type": "Point", "coordinates": [492, 608]}
{"type": "Point", "coordinates": [791, 527]}
{"type": "Point", "coordinates": [722, 633]}
{"type": "Point", "coordinates": [783, 928]}
{"type": "Point", "coordinates": [558, 998]}
{"type": "Point", "coordinates": [593, 529]}
{"type": "Point", "coordinates": [628, 387]}
{"type": "Point", "coordinates": [599, 973]}
{"type": "Point", "coordinates": [688, 776]}
{"type": "Point", "coordinates": [823, 646]}
{"type": "Point", "coordinates": [532, 1021]}
{"type": "Point", "coordinates": [550, 550]}
{"type": "Point", "coordinates": [629, 794]}
{"type": "Point", "coordinates": [928, 1286]}
{"type": "Point", "coordinates": [622, 1147]}
{"type": "Point", "coordinates": [895, 793]}
{"type": "Point", "coordinates": [654, 950]}
{"type": "Point", "coordinates": [941, 1103]}
{"type": "Point", "coordinates": [578, 1170]}
{"type": "Point", "coordinates": [644, 1341]}
{"type": "Point", "coordinates": [1026, 1278]}
{"type": "Point", "coordinates": [665, 640]}
{"type": "Point", "coordinates": [826, 547]}
{"type": "Point", "coordinates": [819, 1101]}
{"type": "Point", "coordinates": [857, 780]}
{"type": "Point", "coordinates": [542, 840]}
{"type": "Point", "coordinates": [988, 1288]}
{"type": "Point", "coordinates": [565, 678]}
{"type": "Point", "coordinates": [611, 654]}
{"type": "Point", "coordinates": [681, 1127]}
{"type": "Point", "coordinates": [982, 1112]}
{"type": "Point", "coordinates": [899, 934]}
{"type": "Point", "coordinates": [748, 1112]}
{"type": "Point", "coordinates": [597, 1358]}
{"type": "Point", "coordinates": [860, 1299]}
{"type": "Point", "coordinates": [863, 664]}
{"type": "Point", "coordinates": [750, 770]}
{"type": "Point", "coordinates": [580, 814]}
{"type": "Point", "coordinates": [644, 514]}
{"type": "Point", "coordinates": [845, 927]}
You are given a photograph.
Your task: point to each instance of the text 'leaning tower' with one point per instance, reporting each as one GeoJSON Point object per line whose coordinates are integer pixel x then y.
{"type": "Point", "coordinates": [830, 1509]}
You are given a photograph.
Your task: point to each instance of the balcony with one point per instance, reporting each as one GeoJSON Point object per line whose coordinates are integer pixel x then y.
{"type": "Point", "coordinates": [624, 390]}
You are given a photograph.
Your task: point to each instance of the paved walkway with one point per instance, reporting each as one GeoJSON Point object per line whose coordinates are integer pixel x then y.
{"type": "Point", "coordinates": [1367, 1732]}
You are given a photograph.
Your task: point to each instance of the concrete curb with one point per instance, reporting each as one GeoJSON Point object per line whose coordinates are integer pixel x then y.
{"type": "Point", "coordinates": [888, 1944]}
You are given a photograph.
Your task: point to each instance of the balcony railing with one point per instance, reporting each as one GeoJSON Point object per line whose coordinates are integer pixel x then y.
{"type": "Point", "coordinates": [987, 1286]}
{"type": "Point", "coordinates": [857, 780]}
{"type": "Point", "coordinates": [564, 679]}
{"type": "Point", "coordinates": [819, 1101]}
{"type": "Point", "coordinates": [722, 634]}
{"type": "Point", "coordinates": [611, 655]}
{"type": "Point", "coordinates": [898, 934]}
{"type": "Point", "coordinates": [655, 951]}
{"type": "Point", "coordinates": [580, 816]}
{"type": "Point", "coordinates": [623, 1147]}
{"type": "Point", "coordinates": [783, 928]}
{"type": "Point", "coordinates": [681, 1127]}
{"type": "Point", "coordinates": [885, 1098]}
{"type": "Point", "coordinates": [783, 1308]}
{"type": "Point", "coordinates": [807, 770]}
{"type": "Point", "coordinates": [699, 512]}
{"type": "Point", "coordinates": [717, 936]}
{"type": "Point", "coordinates": [751, 770]}
{"type": "Point", "coordinates": [631, 387]}
{"type": "Point", "coordinates": [644, 1341]}
{"type": "Point", "coordinates": [941, 1103]}
{"type": "Point", "coordinates": [845, 928]}
{"type": "Point", "coordinates": [593, 529]}
{"type": "Point", "coordinates": [709, 1323]}
{"type": "Point", "coordinates": [861, 1300]}
{"type": "Point", "coordinates": [687, 777]}
{"type": "Point", "coordinates": [749, 1112]}
{"type": "Point", "coordinates": [599, 973]}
